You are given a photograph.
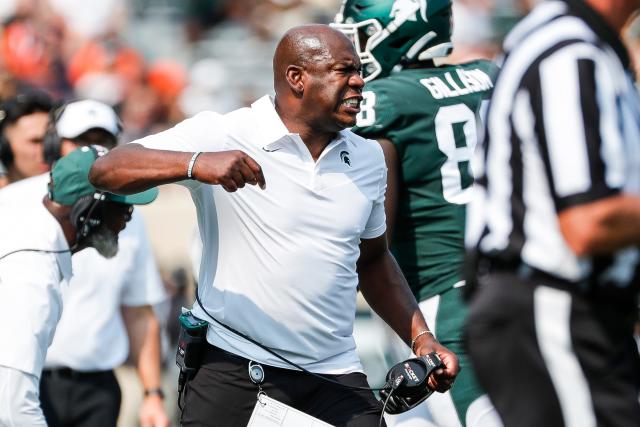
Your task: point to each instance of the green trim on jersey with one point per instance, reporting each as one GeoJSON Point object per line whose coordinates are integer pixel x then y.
{"type": "Point", "coordinates": [431, 115]}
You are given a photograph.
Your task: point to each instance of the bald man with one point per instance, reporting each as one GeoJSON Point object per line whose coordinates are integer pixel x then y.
{"type": "Point", "coordinates": [282, 258]}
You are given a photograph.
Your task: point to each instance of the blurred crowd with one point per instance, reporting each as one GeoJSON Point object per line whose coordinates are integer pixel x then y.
{"type": "Point", "coordinates": [158, 61]}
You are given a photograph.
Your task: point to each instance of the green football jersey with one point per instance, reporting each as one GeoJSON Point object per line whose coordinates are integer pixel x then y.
{"type": "Point", "coordinates": [432, 118]}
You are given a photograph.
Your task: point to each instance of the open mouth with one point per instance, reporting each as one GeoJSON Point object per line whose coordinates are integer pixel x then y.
{"type": "Point", "coordinates": [352, 103]}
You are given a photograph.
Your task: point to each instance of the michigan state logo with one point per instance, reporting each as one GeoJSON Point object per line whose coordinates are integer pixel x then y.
{"type": "Point", "coordinates": [344, 156]}
{"type": "Point", "coordinates": [408, 9]}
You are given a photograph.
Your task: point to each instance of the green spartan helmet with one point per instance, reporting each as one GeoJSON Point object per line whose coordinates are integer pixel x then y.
{"type": "Point", "coordinates": [388, 34]}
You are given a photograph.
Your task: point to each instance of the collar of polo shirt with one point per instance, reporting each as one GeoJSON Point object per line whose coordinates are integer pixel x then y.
{"type": "Point", "coordinates": [274, 133]}
{"type": "Point", "coordinates": [291, 137]}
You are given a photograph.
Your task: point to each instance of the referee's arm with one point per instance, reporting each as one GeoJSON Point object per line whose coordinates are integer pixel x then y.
{"type": "Point", "coordinates": [602, 227]}
{"type": "Point", "coordinates": [574, 96]}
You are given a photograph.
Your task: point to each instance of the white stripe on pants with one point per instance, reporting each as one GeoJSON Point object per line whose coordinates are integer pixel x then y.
{"type": "Point", "coordinates": [552, 314]}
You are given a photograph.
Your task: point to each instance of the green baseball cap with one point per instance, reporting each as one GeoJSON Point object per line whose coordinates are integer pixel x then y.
{"type": "Point", "coordinates": [70, 180]}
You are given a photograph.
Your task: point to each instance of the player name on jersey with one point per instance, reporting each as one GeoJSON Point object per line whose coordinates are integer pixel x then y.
{"type": "Point", "coordinates": [468, 81]}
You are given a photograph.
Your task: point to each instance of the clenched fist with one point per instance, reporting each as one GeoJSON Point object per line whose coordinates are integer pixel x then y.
{"type": "Point", "coordinates": [231, 169]}
{"type": "Point", "coordinates": [442, 379]}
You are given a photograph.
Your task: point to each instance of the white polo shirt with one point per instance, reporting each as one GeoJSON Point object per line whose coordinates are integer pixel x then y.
{"type": "Point", "coordinates": [91, 334]}
{"type": "Point", "coordinates": [279, 265]}
{"type": "Point", "coordinates": [30, 282]}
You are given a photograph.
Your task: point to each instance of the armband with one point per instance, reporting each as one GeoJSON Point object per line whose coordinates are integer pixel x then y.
{"type": "Point", "coordinates": [192, 162]}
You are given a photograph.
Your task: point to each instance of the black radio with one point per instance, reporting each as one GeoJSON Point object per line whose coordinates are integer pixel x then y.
{"type": "Point", "coordinates": [191, 344]}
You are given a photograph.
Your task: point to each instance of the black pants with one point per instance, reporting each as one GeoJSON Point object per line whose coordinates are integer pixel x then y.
{"type": "Point", "coordinates": [549, 357]}
{"type": "Point", "coordinates": [77, 399]}
{"type": "Point", "coordinates": [222, 395]}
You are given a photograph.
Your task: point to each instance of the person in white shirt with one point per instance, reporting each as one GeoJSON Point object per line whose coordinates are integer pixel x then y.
{"type": "Point", "coordinates": [279, 260]}
{"type": "Point", "coordinates": [108, 301]}
{"type": "Point", "coordinates": [35, 262]}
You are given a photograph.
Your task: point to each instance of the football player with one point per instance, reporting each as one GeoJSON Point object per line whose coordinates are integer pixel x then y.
{"type": "Point", "coordinates": [426, 118]}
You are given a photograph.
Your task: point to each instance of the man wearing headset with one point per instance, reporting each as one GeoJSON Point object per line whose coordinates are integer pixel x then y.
{"type": "Point", "coordinates": [35, 264]}
{"type": "Point", "coordinates": [115, 316]}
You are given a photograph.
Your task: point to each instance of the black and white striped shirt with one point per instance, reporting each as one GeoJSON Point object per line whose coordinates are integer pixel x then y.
{"type": "Point", "coordinates": [563, 129]}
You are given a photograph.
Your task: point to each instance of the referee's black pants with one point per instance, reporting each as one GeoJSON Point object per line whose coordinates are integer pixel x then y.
{"type": "Point", "coordinates": [549, 357]}
{"type": "Point", "coordinates": [79, 399]}
{"type": "Point", "coordinates": [222, 395]}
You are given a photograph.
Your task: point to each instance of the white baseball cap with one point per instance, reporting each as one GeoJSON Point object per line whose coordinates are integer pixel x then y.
{"type": "Point", "coordinates": [80, 116]}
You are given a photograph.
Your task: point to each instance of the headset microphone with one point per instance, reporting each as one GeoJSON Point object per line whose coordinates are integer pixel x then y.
{"type": "Point", "coordinates": [81, 213]}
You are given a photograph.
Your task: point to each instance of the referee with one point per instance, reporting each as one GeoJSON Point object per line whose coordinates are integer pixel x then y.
{"type": "Point", "coordinates": [550, 326]}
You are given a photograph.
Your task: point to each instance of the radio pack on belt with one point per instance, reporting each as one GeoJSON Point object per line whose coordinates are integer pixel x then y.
{"type": "Point", "coordinates": [191, 343]}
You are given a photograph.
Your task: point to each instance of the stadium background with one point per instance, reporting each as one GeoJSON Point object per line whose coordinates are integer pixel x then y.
{"type": "Point", "coordinates": [158, 61]}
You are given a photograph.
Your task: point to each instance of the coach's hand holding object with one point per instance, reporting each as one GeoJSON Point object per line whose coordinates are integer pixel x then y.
{"type": "Point", "coordinates": [230, 169]}
{"type": "Point", "coordinates": [442, 379]}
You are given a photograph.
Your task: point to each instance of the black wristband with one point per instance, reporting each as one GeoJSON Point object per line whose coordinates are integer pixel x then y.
{"type": "Point", "coordinates": [154, 391]}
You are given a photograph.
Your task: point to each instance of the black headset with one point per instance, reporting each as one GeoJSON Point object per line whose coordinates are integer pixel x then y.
{"type": "Point", "coordinates": [6, 155]}
{"type": "Point", "coordinates": [52, 144]}
{"type": "Point", "coordinates": [82, 209]}
{"type": "Point", "coordinates": [13, 109]}
{"type": "Point", "coordinates": [81, 212]}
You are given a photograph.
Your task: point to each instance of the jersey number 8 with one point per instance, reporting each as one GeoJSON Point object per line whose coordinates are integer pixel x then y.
{"type": "Point", "coordinates": [456, 171]}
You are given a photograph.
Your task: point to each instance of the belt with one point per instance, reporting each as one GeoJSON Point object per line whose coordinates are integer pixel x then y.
{"type": "Point", "coordinates": [215, 354]}
{"type": "Point", "coordinates": [65, 372]}
{"type": "Point", "coordinates": [524, 271]}
{"type": "Point", "coordinates": [588, 288]}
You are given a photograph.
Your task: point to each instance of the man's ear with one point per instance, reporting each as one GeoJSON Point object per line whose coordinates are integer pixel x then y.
{"type": "Point", "coordinates": [67, 146]}
{"type": "Point", "coordinates": [295, 78]}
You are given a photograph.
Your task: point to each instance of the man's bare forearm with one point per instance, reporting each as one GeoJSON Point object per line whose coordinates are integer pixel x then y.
{"type": "Point", "coordinates": [132, 168]}
{"type": "Point", "coordinates": [144, 343]}
{"type": "Point", "coordinates": [386, 290]}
